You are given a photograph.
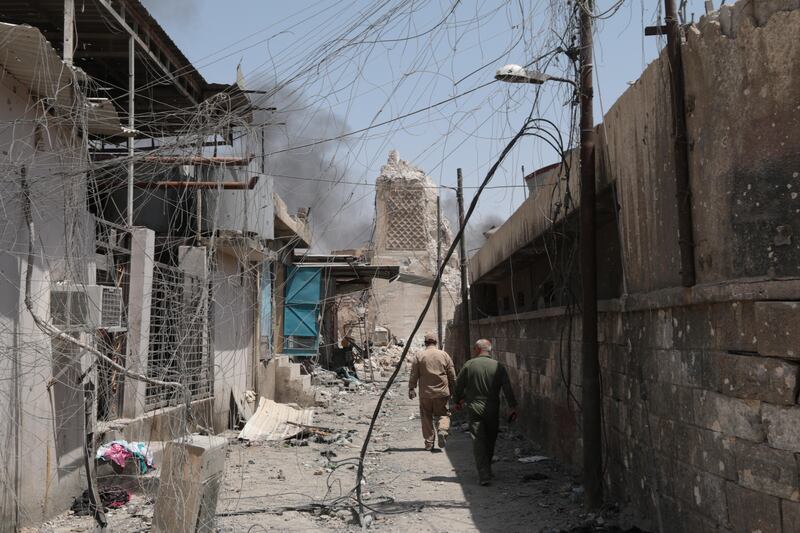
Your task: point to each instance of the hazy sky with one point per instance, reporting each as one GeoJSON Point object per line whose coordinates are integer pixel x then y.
{"type": "Point", "coordinates": [398, 58]}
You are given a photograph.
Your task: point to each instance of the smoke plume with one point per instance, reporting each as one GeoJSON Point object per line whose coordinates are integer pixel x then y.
{"type": "Point", "coordinates": [479, 224]}
{"type": "Point", "coordinates": [341, 214]}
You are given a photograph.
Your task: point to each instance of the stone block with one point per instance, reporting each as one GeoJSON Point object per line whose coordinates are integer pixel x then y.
{"type": "Point", "coordinates": [703, 492]}
{"type": "Point", "coordinates": [734, 326]}
{"type": "Point", "coordinates": [751, 511]}
{"type": "Point", "coordinates": [615, 385]}
{"type": "Point", "coordinates": [791, 516]}
{"type": "Point", "coordinates": [671, 401]}
{"type": "Point", "coordinates": [704, 449]}
{"type": "Point", "coordinates": [673, 514]}
{"type": "Point", "coordinates": [778, 329]}
{"type": "Point", "coordinates": [768, 470]}
{"type": "Point", "coordinates": [676, 367]}
{"type": "Point", "coordinates": [729, 416]}
{"type": "Point", "coordinates": [662, 433]}
{"type": "Point", "coordinates": [783, 426]}
{"type": "Point", "coordinates": [190, 480]}
{"type": "Point", "coordinates": [692, 327]}
{"type": "Point", "coordinates": [661, 329]}
{"type": "Point", "coordinates": [752, 377]}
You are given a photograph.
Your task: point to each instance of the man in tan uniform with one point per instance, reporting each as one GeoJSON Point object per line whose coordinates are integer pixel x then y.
{"type": "Point", "coordinates": [433, 370]}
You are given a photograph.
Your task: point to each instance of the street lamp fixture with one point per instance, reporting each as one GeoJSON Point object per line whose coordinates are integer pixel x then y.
{"type": "Point", "coordinates": [518, 74]}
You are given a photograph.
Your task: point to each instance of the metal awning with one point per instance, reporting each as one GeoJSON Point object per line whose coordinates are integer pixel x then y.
{"type": "Point", "coordinates": [168, 86]}
{"type": "Point", "coordinates": [353, 278]}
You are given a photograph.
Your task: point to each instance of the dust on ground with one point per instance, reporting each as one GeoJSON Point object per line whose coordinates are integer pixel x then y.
{"type": "Point", "coordinates": [306, 484]}
{"type": "Point", "coordinates": [406, 488]}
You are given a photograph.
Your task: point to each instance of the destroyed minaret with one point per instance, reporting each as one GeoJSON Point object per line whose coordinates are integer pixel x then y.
{"type": "Point", "coordinates": [405, 235]}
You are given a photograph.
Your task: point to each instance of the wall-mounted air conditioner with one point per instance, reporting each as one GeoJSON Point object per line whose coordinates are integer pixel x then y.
{"type": "Point", "coordinates": [111, 315]}
{"type": "Point", "coordinates": [76, 307]}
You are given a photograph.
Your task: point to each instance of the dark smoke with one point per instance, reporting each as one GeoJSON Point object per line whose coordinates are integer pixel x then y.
{"type": "Point", "coordinates": [341, 214]}
{"type": "Point", "coordinates": [478, 225]}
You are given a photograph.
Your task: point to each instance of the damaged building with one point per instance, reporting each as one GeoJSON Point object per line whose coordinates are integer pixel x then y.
{"type": "Point", "coordinates": [408, 230]}
{"type": "Point", "coordinates": [141, 243]}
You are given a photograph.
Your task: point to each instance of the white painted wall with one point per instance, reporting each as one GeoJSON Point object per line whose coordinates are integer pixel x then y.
{"type": "Point", "coordinates": [42, 434]}
{"type": "Point", "coordinates": [234, 304]}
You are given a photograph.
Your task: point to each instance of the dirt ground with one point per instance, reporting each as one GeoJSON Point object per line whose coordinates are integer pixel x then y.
{"type": "Point", "coordinates": [289, 487]}
{"type": "Point", "coordinates": [413, 490]}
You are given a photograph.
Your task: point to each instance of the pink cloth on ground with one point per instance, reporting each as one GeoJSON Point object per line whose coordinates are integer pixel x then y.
{"type": "Point", "coordinates": [117, 454]}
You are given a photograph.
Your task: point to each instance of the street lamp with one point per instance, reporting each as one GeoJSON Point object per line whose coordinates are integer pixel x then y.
{"type": "Point", "coordinates": [517, 74]}
{"type": "Point", "coordinates": [590, 363]}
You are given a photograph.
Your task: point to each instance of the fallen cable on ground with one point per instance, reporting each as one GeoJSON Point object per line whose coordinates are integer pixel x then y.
{"type": "Point", "coordinates": [367, 520]}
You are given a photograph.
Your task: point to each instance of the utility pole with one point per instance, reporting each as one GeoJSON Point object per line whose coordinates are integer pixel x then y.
{"type": "Point", "coordinates": [462, 258]}
{"type": "Point", "coordinates": [591, 400]}
{"type": "Point", "coordinates": [131, 124]}
{"type": "Point", "coordinates": [69, 31]}
{"type": "Point", "coordinates": [438, 268]}
{"type": "Point", "coordinates": [681, 147]}
{"type": "Point", "coordinates": [365, 319]}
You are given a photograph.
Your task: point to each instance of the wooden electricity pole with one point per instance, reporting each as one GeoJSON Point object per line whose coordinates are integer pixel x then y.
{"type": "Point", "coordinates": [462, 258]}
{"type": "Point", "coordinates": [591, 400]}
{"type": "Point", "coordinates": [438, 268]}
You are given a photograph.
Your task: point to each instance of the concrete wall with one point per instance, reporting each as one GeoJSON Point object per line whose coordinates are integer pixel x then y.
{"type": "Point", "coordinates": [234, 324]}
{"type": "Point", "coordinates": [744, 124]}
{"type": "Point", "coordinates": [41, 457]}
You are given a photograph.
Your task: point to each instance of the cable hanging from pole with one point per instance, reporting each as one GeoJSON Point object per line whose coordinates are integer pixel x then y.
{"type": "Point", "coordinates": [525, 130]}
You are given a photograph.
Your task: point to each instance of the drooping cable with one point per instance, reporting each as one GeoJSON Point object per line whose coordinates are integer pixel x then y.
{"type": "Point", "coordinates": [360, 472]}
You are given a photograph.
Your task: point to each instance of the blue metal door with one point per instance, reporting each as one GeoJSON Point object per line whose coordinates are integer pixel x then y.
{"type": "Point", "coordinates": [301, 316]}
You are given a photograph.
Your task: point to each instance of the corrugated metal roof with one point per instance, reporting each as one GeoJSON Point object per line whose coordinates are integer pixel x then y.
{"type": "Point", "coordinates": [276, 421]}
{"type": "Point", "coordinates": [27, 56]}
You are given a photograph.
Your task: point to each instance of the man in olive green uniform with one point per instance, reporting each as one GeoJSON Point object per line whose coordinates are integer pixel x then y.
{"type": "Point", "coordinates": [478, 384]}
{"type": "Point", "coordinates": [434, 371]}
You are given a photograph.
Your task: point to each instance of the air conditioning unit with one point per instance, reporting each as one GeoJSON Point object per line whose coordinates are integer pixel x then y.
{"type": "Point", "coordinates": [72, 307]}
{"type": "Point", "coordinates": [86, 307]}
{"type": "Point", "coordinates": [111, 316]}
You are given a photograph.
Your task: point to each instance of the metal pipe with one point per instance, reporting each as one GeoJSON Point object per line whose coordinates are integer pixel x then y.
{"type": "Point", "coordinates": [462, 259]}
{"type": "Point", "coordinates": [591, 402]}
{"type": "Point", "coordinates": [120, 18]}
{"type": "Point", "coordinates": [214, 185]}
{"type": "Point", "coordinates": [131, 94]}
{"type": "Point", "coordinates": [683, 191]}
{"type": "Point", "coordinates": [438, 268]}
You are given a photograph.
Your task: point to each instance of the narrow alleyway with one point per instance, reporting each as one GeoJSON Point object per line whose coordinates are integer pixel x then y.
{"type": "Point", "coordinates": [303, 485]}
{"type": "Point", "coordinates": [411, 490]}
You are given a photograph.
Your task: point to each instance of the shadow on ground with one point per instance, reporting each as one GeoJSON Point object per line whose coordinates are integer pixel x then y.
{"type": "Point", "coordinates": [536, 497]}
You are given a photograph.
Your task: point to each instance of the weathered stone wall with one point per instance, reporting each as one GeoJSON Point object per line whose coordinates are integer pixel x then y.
{"type": "Point", "coordinates": [743, 97]}
{"type": "Point", "coordinates": [699, 401]}
{"type": "Point", "coordinates": [741, 70]}
{"type": "Point", "coordinates": [700, 386]}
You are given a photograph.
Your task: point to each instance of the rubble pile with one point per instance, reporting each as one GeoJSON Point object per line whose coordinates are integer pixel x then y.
{"type": "Point", "coordinates": [387, 358]}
